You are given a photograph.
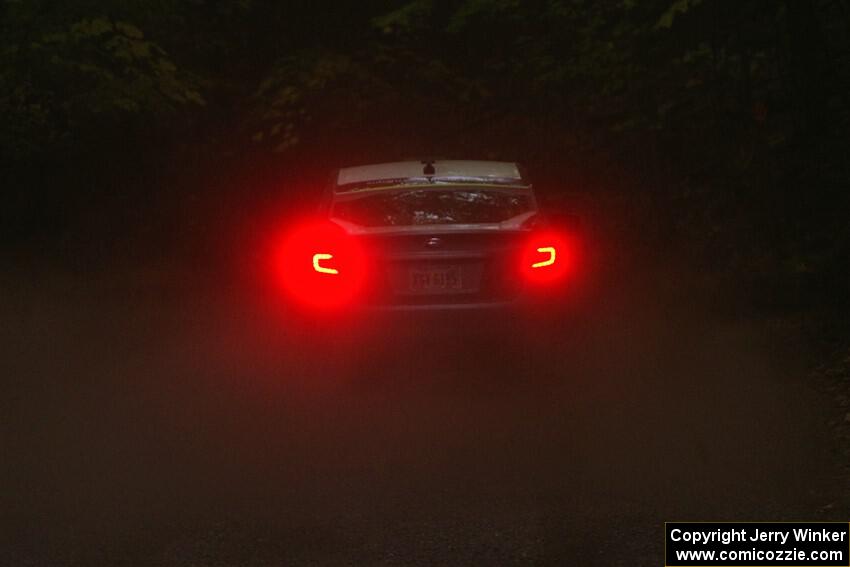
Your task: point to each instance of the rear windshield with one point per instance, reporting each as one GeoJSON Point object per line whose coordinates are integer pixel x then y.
{"type": "Point", "coordinates": [429, 206]}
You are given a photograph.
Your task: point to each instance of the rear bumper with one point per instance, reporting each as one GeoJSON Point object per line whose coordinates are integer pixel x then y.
{"type": "Point", "coordinates": [535, 304]}
{"type": "Point", "coordinates": [436, 306]}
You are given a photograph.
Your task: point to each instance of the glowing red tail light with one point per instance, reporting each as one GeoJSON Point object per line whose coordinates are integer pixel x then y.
{"type": "Point", "coordinates": [548, 256]}
{"type": "Point", "coordinates": [321, 265]}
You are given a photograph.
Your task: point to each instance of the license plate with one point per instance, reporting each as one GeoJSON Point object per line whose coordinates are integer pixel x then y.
{"type": "Point", "coordinates": [435, 280]}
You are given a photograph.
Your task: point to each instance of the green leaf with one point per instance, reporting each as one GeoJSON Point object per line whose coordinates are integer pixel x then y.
{"type": "Point", "coordinates": [129, 30]}
{"type": "Point", "coordinates": [409, 17]}
{"type": "Point", "coordinates": [677, 8]}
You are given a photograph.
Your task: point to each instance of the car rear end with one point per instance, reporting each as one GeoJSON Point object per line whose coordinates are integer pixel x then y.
{"type": "Point", "coordinates": [429, 236]}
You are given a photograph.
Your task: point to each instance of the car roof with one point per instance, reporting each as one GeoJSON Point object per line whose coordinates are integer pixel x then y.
{"type": "Point", "coordinates": [429, 172]}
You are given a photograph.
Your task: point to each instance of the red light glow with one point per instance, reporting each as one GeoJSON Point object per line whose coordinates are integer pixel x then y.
{"type": "Point", "coordinates": [548, 257]}
{"type": "Point", "coordinates": [321, 266]}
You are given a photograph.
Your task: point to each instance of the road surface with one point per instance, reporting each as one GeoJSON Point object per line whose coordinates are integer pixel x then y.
{"type": "Point", "coordinates": [159, 417]}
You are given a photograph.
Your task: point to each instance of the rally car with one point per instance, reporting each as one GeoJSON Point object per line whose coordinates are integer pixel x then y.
{"type": "Point", "coordinates": [428, 235]}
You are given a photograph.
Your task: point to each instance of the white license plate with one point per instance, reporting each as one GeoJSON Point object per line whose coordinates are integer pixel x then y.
{"type": "Point", "coordinates": [435, 280]}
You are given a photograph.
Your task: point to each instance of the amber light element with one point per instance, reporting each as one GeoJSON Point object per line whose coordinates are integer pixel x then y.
{"type": "Point", "coordinates": [547, 262]}
{"type": "Point", "coordinates": [317, 258]}
{"type": "Point", "coordinates": [548, 257]}
{"type": "Point", "coordinates": [310, 254]}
